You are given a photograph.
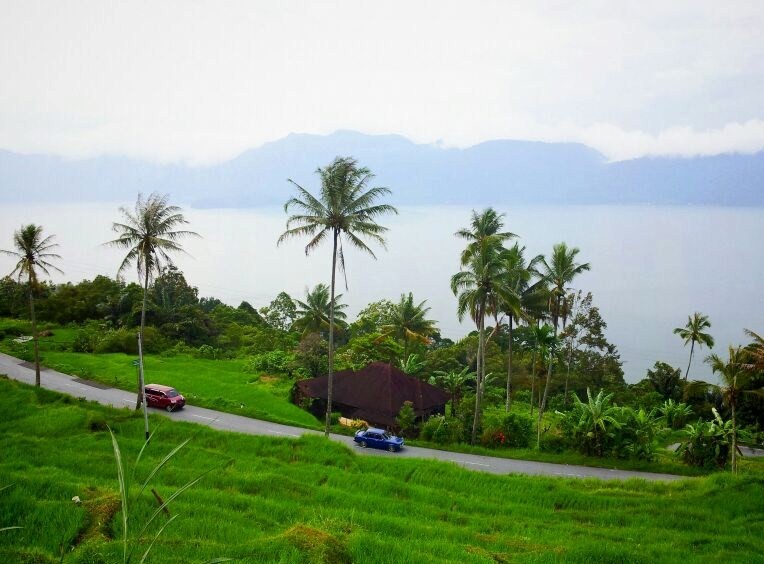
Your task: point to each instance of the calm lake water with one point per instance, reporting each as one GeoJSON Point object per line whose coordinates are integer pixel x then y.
{"type": "Point", "coordinates": [651, 265]}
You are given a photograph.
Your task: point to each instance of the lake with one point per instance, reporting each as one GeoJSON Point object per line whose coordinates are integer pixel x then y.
{"type": "Point", "coordinates": [652, 266]}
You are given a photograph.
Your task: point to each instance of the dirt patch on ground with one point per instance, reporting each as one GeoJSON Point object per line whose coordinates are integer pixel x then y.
{"type": "Point", "coordinates": [318, 545]}
{"type": "Point", "coordinates": [266, 379]}
{"type": "Point", "coordinates": [101, 511]}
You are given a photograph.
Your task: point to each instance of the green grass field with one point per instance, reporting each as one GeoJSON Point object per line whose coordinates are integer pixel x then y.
{"type": "Point", "coordinates": [216, 384]}
{"type": "Point", "coordinates": [309, 500]}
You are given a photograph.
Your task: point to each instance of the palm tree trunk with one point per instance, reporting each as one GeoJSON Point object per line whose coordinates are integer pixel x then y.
{"type": "Point", "coordinates": [734, 436]}
{"type": "Point", "coordinates": [542, 405]}
{"type": "Point", "coordinates": [692, 348]}
{"type": "Point", "coordinates": [330, 381]}
{"type": "Point", "coordinates": [507, 405]}
{"type": "Point", "coordinates": [533, 379]}
{"type": "Point", "coordinates": [480, 366]}
{"type": "Point", "coordinates": [405, 347]}
{"type": "Point", "coordinates": [139, 401]}
{"type": "Point", "coordinates": [35, 339]}
{"type": "Point", "coordinates": [567, 373]}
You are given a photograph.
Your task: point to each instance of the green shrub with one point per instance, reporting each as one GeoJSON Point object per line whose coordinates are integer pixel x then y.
{"type": "Point", "coordinates": [276, 361]}
{"type": "Point", "coordinates": [442, 430]}
{"type": "Point", "coordinates": [707, 443]}
{"type": "Point", "coordinates": [12, 330]}
{"type": "Point", "coordinates": [86, 340]}
{"type": "Point", "coordinates": [125, 340]}
{"type": "Point", "coordinates": [206, 351]}
{"type": "Point", "coordinates": [635, 437]}
{"type": "Point", "coordinates": [674, 414]}
{"type": "Point", "coordinates": [506, 429]}
{"type": "Point", "coordinates": [600, 428]}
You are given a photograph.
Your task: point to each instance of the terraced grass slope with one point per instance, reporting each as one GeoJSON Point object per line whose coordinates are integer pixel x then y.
{"type": "Point", "coordinates": [309, 500]}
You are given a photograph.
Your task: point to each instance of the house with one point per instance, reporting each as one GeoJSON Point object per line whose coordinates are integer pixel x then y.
{"type": "Point", "coordinates": [375, 394]}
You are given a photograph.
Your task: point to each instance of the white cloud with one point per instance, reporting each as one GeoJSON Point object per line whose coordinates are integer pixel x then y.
{"type": "Point", "coordinates": [619, 144]}
{"type": "Point", "coordinates": [202, 81]}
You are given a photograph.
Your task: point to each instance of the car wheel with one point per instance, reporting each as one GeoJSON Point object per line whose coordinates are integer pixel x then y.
{"type": "Point", "coordinates": [169, 408]}
{"type": "Point", "coordinates": [391, 448]}
{"type": "Point", "coordinates": [363, 444]}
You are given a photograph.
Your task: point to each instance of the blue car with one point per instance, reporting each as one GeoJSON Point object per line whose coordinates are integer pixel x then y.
{"type": "Point", "coordinates": [378, 438]}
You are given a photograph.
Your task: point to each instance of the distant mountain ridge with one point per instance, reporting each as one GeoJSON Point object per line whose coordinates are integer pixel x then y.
{"type": "Point", "coordinates": [493, 172]}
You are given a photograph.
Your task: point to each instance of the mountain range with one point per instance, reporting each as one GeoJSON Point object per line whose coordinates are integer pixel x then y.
{"type": "Point", "coordinates": [490, 173]}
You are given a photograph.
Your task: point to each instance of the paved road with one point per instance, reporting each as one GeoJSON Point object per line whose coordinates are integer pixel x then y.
{"type": "Point", "coordinates": [95, 391]}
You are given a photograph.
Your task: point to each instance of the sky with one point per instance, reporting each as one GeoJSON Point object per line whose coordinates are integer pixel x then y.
{"type": "Point", "coordinates": [200, 82]}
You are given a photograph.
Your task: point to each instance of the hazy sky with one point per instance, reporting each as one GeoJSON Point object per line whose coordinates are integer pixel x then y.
{"type": "Point", "coordinates": [203, 81]}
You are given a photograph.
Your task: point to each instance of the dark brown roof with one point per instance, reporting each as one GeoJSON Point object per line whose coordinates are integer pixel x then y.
{"type": "Point", "coordinates": [377, 392]}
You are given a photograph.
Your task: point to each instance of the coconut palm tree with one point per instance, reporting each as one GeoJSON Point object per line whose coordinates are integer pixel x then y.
{"type": "Point", "coordinates": [346, 207]}
{"type": "Point", "coordinates": [481, 286]}
{"type": "Point", "coordinates": [312, 315]}
{"type": "Point", "coordinates": [409, 323]}
{"type": "Point", "coordinates": [559, 271]}
{"type": "Point", "coordinates": [478, 285]}
{"type": "Point", "coordinates": [33, 254]}
{"type": "Point", "coordinates": [735, 380]}
{"type": "Point", "coordinates": [519, 274]}
{"type": "Point", "coordinates": [149, 233]}
{"type": "Point", "coordinates": [693, 333]}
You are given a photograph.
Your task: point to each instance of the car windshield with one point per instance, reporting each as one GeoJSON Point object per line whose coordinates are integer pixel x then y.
{"type": "Point", "coordinates": [387, 436]}
{"type": "Point", "coordinates": [172, 394]}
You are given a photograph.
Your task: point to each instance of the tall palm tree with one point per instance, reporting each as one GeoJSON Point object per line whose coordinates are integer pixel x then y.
{"type": "Point", "coordinates": [735, 380]}
{"type": "Point", "coordinates": [693, 333]}
{"type": "Point", "coordinates": [519, 274]}
{"type": "Point", "coordinates": [345, 207]}
{"type": "Point", "coordinates": [312, 315]}
{"type": "Point", "coordinates": [559, 271]}
{"type": "Point", "coordinates": [409, 323]}
{"type": "Point", "coordinates": [477, 287]}
{"type": "Point", "coordinates": [33, 254]}
{"type": "Point", "coordinates": [480, 281]}
{"type": "Point", "coordinates": [149, 234]}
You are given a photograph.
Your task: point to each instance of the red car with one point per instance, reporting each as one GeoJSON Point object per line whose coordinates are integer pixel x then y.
{"type": "Point", "coordinates": [163, 397]}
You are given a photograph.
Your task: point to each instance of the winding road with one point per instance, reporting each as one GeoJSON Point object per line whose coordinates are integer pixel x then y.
{"type": "Point", "coordinates": [101, 393]}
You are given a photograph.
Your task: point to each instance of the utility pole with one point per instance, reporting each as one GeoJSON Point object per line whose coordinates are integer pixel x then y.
{"type": "Point", "coordinates": [143, 389]}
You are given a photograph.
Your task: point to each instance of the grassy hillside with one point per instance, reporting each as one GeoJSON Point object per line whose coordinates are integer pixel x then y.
{"type": "Point", "coordinates": [308, 500]}
{"type": "Point", "coordinates": [216, 384]}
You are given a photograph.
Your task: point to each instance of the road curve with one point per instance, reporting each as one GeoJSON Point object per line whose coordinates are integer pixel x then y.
{"type": "Point", "coordinates": [95, 391]}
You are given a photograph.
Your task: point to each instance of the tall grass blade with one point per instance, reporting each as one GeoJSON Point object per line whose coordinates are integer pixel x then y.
{"type": "Point", "coordinates": [161, 463]}
{"type": "Point", "coordinates": [159, 532]}
{"type": "Point", "coordinates": [140, 453]}
{"type": "Point", "coordinates": [170, 499]}
{"type": "Point", "coordinates": [122, 492]}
